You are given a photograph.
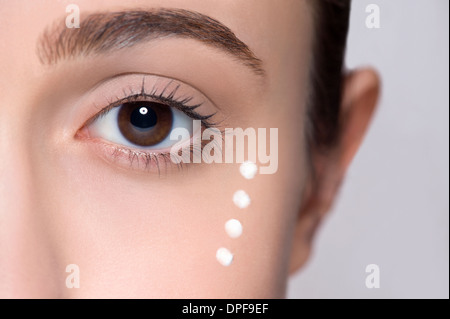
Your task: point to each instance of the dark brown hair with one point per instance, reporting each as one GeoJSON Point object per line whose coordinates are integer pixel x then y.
{"type": "Point", "coordinates": [331, 24]}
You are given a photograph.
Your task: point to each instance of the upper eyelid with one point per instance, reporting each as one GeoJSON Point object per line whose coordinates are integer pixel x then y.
{"type": "Point", "coordinates": [136, 98]}
{"type": "Point", "coordinates": [164, 96]}
{"type": "Point", "coordinates": [172, 79]}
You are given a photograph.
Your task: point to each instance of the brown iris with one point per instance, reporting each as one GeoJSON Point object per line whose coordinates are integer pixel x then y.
{"type": "Point", "coordinates": [145, 123]}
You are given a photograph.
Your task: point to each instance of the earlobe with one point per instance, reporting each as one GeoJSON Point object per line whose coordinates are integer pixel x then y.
{"type": "Point", "coordinates": [360, 96]}
{"type": "Point", "coordinates": [305, 229]}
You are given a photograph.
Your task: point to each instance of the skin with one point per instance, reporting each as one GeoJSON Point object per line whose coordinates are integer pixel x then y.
{"type": "Point", "coordinates": [132, 232]}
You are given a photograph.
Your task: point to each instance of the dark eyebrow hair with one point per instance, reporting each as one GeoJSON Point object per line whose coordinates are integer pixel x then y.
{"type": "Point", "coordinates": [102, 32]}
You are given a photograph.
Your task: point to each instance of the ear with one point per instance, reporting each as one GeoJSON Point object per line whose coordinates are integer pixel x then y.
{"type": "Point", "coordinates": [360, 96]}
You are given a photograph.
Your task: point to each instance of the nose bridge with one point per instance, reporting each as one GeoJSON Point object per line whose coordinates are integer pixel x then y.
{"type": "Point", "coordinates": [15, 170]}
{"type": "Point", "coordinates": [25, 254]}
{"type": "Point", "coordinates": [27, 262]}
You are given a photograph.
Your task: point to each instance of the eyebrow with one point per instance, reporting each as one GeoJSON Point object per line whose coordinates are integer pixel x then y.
{"type": "Point", "coordinates": [104, 32]}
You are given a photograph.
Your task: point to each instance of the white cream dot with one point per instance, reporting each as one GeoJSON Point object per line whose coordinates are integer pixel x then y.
{"type": "Point", "coordinates": [224, 257]}
{"type": "Point", "coordinates": [241, 199]}
{"type": "Point", "coordinates": [233, 227]}
{"type": "Point", "coordinates": [248, 170]}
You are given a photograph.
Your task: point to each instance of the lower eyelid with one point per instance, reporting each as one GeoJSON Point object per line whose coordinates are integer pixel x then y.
{"type": "Point", "coordinates": [151, 161]}
{"type": "Point", "coordinates": [128, 159]}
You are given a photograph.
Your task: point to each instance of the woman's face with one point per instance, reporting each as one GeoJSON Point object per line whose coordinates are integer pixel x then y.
{"type": "Point", "coordinates": [72, 194]}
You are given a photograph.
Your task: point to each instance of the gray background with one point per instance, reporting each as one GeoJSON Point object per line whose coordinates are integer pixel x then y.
{"type": "Point", "coordinates": [394, 206]}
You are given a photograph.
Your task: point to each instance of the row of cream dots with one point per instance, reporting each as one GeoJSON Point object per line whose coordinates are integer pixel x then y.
{"type": "Point", "coordinates": [233, 227]}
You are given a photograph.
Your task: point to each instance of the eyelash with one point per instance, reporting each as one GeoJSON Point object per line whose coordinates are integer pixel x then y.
{"type": "Point", "coordinates": [181, 104]}
{"type": "Point", "coordinates": [143, 96]}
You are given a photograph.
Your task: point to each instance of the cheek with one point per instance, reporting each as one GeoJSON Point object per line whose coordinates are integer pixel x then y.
{"type": "Point", "coordinates": [148, 236]}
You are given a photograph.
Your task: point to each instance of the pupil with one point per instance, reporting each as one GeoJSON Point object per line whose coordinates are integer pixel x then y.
{"type": "Point", "coordinates": [143, 118]}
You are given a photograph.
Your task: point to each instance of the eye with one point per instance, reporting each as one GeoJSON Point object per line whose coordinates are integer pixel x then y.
{"type": "Point", "coordinates": [140, 118]}
{"type": "Point", "coordinates": [141, 124]}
